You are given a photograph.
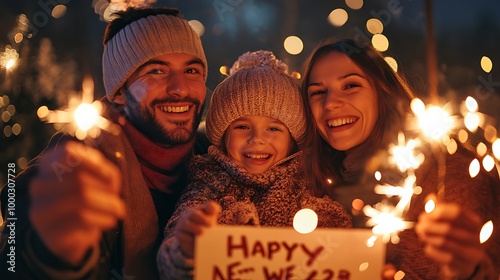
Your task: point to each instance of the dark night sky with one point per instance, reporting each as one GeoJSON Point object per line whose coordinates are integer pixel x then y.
{"type": "Point", "coordinates": [465, 31]}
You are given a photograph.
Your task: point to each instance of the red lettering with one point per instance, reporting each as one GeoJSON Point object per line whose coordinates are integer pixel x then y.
{"type": "Point", "coordinates": [312, 255]}
{"type": "Point", "coordinates": [273, 247]}
{"type": "Point", "coordinates": [258, 249]}
{"type": "Point", "coordinates": [344, 274]}
{"type": "Point", "coordinates": [218, 275]}
{"type": "Point", "coordinates": [242, 245]}
{"type": "Point", "coordinates": [288, 273]}
{"type": "Point", "coordinates": [289, 250]}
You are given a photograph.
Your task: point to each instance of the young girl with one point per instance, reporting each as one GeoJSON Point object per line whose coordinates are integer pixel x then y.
{"type": "Point", "coordinates": [252, 175]}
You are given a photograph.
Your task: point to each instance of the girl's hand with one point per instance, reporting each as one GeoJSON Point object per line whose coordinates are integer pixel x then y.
{"type": "Point", "coordinates": [192, 223]}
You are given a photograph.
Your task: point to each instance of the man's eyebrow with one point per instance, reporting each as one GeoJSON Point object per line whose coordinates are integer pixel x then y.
{"type": "Point", "coordinates": [195, 61]}
{"type": "Point", "coordinates": [166, 63]}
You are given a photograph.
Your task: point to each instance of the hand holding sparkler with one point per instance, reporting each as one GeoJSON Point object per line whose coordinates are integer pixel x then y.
{"type": "Point", "coordinates": [74, 197]}
{"type": "Point", "coordinates": [452, 238]}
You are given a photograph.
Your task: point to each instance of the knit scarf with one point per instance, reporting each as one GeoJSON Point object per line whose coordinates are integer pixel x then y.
{"type": "Point", "coordinates": [162, 167]}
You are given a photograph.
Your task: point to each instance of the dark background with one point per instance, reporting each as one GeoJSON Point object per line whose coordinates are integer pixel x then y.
{"type": "Point", "coordinates": [62, 51]}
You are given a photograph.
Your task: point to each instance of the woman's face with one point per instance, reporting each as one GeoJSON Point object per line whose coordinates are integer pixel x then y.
{"type": "Point", "coordinates": [343, 101]}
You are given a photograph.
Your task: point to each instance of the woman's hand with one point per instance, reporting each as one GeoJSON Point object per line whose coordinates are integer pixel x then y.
{"type": "Point", "coordinates": [451, 237]}
{"type": "Point", "coordinates": [192, 223]}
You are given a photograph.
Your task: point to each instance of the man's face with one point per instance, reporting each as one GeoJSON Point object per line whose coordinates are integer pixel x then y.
{"type": "Point", "coordinates": [164, 98]}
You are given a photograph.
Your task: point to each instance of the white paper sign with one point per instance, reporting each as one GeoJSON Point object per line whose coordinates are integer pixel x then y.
{"type": "Point", "coordinates": [244, 252]}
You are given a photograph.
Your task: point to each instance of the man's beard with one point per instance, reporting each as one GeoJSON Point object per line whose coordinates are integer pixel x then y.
{"type": "Point", "coordinates": [144, 121]}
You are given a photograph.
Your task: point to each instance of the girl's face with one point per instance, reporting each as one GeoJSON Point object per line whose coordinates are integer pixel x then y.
{"type": "Point", "coordinates": [257, 142]}
{"type": "Point", "coordinates": [343, 101]}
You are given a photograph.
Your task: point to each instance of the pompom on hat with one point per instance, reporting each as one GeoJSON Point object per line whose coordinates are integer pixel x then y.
{"type": "Point", "coordinates": [142, 40]}
{"type": "Point", "coordinates": [258, 84]}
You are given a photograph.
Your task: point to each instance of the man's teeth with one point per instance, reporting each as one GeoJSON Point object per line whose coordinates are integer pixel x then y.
{"type": "Point", "coordinates": [342, 121]}
{"type": "Point", "coordinates": [174, 109]}
{"type": "Point", "coordinates": [258, 156]}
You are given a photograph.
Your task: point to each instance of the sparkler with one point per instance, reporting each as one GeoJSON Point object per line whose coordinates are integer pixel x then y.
{"type": "Point", "coordinates": [436, 125]}
{"type": "Point", "coordinates": [82, 117]}
{"type": "Point", "coordinates": [385, 218]}
{"type": "Point", "coordinates": [8, 59]}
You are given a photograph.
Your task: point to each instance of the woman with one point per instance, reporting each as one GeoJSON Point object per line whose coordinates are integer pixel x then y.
{"type": "Point", "coordinates": [355, 105]}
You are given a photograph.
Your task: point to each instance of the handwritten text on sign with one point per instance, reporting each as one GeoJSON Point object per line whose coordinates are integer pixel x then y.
{"type": "Point", "coordinates": [242, 252]}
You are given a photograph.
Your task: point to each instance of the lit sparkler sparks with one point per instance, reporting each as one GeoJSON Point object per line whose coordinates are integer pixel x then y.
{"type": "Point", "coordinates": [8, 59]}
{"type": "Point", "coordinates": [385, 218]}
{"type": "Point", "coordinates": [82, 117]}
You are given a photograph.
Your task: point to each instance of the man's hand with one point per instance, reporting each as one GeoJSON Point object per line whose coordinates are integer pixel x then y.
{"type": "Point", "coordinates": [74, 197]}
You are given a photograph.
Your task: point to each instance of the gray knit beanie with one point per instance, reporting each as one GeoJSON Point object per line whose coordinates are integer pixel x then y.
{"type": "Point", "coordinates": [258, 84]}
{"type": "Point", "coordinates": [142, 40]}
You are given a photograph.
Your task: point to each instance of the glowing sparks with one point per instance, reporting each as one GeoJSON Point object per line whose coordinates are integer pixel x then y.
{"type": "Point", "coordinates": [435, 122]}
{"type": "Point", "coordinates": [486, 232]}
{"type": "Point", "coordinates": [385, 220]}
{"type": "Point", "coordinates": [85, 116]}
{"type": "Point", "coordinates": [8, 59]}
{"type": "Point", "coordinates": [404, 155]}
{"type": "Point", "coordinates": [82, 117]}
{"type": "Point", "coordinates": [305, 221]}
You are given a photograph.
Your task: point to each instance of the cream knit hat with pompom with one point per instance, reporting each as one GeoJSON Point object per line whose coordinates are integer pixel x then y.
{"type": "Point", "coordinates": [258, 84]}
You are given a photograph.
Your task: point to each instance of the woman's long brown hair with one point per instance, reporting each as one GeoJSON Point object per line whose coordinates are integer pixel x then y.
{"type": "Point", "coordinates": [322, 162]}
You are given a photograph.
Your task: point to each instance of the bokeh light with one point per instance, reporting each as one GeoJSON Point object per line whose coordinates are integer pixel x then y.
{"type": "Point", "coordinates": [471, 104]}
{"type": "Point", "coordinates": [392, 62]}
{"type": "Point", "coordinates": [224, 70]}
{"type": "Point", "coordinates": [380, 42]}
{"type": "Point", "coordinates": [22, 162]}
{"type": "Point", "coordinates": [481, 149]}
{"type": "Point", "coordinates": [486, 231]}
{"type": "Point", "coordinates": [486, 64]}
{"type": "Point", "coordinates": [364, 266]}
{"type": "Point", "coordinates": [496, 148]}
{"type": "Point", "coordinates": [490, 133]}
{"type": "Point", "coordinates": [338, 17]}
{"type": "Point", "coordinates": [354, 4]}
{"type": "Point", "coordinates": [429, 206]}
{"type": "Point", "coordinates": [374, 26]}
{"type": "Point", "coordinates": [488, 163]}
{"type": "Point", "coordinates": [59, 11]}
{"type": "Point", "coordinates": [293, 45]}
{"type": "Point", "coordinates": [42, 112]}
{"type": "Point", "coordinates": [198, 27]}
{"type": "Point", "coordinates": [16, 129]}
{"type": "Point", "coordinates": [305, 221]}
{"type": "Point", "coordinates": [474, 168]}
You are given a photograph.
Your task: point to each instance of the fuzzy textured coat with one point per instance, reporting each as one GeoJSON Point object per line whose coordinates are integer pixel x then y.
{"type": "Point", "coordinates": [268, 199]}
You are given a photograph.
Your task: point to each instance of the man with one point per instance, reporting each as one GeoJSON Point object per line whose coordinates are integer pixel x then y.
{"type": "Point", "coordinates": [99, 213]}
